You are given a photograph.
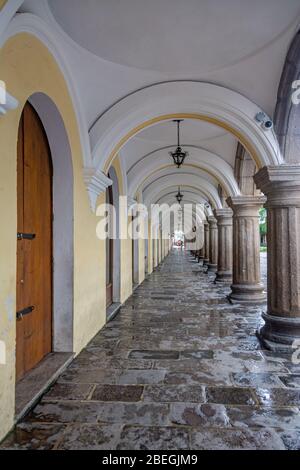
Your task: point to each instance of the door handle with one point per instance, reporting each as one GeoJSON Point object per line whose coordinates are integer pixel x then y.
{"type": "Point", "coordinates": [26, 236]}
{"type": "Point", "coordinates": [25, 311]}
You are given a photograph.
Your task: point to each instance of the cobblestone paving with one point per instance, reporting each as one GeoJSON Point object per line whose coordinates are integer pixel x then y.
{"type": "Point", "coordinates": [179, 368]}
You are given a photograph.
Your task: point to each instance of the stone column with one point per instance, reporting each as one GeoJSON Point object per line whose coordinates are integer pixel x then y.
{"type": "Point", "coordinates": [206, 244]}
{"type": "Point", "coordinates": [201, 256]}
{"type": "Point", "coordinates": [247, 286]}
{"type": "Point", "coordinates": [225, 236]}
{"type": "Point", "coordinates": [281, 185]}
{"type": "Point", "coordinates": [213, 244]}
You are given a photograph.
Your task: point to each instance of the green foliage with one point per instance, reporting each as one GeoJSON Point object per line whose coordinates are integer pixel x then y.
{"type": "Point", "coordinates": [263, 221]}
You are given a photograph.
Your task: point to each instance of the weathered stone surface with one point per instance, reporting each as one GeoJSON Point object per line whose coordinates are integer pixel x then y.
{"type": "Point", "coordinates": [278, 397]}
{"type": "Point", "coordinates": [282, 321]}
{"type": "Point", "coordinates": [264, 417]}
{"type": "Point", "coordinates": [225, 238]}
{"type": "Point", "coordinates": [206, 415]}
{"type": "Point", "coordinates": [68, 391]}
{"type": "Point", "coordinates": [154, 355]}
{"type": "Point", "coordinates": [231, 396]}
{"type": "Point", "coordinates": [34, 437]}
{"type": "Point", "coordinates": [174, 393]}
{"type": "Point", "coordinates": [91, 437]}
{"type": "Point", "coordinates": [247, 286]}
{"type": "Point", "coordinates": [127, 393]}
{"type": "Point", "coordinates": [150, 438]}
{"type": "Point", "coordinates": [232, 439]}
{"type": "Point", "coordinates": [183, 374]}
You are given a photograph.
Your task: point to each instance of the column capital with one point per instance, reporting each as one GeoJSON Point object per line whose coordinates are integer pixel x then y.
{"type": "Point", "coordinates": [246, 206]}
{"type": "Point", "coordinates": [225, 213]}
{"type": "Point", "coordinates": [212, 221]}
{"type": "Point", "coordinates": [281, 184]}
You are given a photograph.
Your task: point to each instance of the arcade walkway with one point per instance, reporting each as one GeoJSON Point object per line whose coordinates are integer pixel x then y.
{"type": "Point", "coordinates": [179, 368]}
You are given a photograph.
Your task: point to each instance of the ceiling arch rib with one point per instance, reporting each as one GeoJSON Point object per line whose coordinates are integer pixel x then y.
{"type": "Point", "coordinates": [198, 158]}
{"type": "Point", "coordinates": [182, 99]}
{"type": "Point", "coordinates": [198, 184]}
{"type": "Point", "coordinates": [189, 196]}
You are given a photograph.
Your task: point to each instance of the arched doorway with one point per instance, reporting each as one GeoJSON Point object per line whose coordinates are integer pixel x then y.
{"type": "Point", "coordinates": [109, 250]}
{"type": "Point", "coordinates": [34, 247]}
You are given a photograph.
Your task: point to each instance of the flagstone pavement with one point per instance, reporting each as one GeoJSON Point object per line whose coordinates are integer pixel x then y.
{"type": "Point", "coordinates": [179, 368]}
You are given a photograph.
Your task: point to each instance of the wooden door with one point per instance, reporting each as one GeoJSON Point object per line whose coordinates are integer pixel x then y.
{"type": "Point", "coordinates": [109, 253]}
{"type": "Point", "coordinates": [34, 245]}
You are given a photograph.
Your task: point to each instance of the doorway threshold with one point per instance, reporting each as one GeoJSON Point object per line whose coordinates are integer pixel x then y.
{"type": "Point", "coordinates": [36, 382]}
{"type": "Point", "coordinates": [112, 311]}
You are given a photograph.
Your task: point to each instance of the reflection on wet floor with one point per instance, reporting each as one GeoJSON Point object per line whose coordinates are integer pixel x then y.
{"type": "Point", "coordinates": [179, 368]}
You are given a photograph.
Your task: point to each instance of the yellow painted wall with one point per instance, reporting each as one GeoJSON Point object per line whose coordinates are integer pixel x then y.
{"type": "Point", "coordinates": [2, 3]}
{"type": "Point", "coordinates": [27, 67]}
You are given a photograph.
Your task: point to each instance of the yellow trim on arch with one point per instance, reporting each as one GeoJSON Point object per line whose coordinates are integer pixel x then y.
{"type": "Point", "coordinates": [200, 117]}
{"type": "Point", "coordinates": [186, 165]}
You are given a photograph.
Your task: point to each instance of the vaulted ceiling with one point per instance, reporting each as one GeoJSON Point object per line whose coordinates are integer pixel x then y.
{"type": "Point", "coordinates": [115, 48]}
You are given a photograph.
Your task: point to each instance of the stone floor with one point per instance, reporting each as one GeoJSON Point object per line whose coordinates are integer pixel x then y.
{"type": "Point", "coordinates": [179, 368]}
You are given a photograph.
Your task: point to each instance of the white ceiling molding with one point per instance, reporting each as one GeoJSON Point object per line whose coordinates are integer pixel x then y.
{"type": "Point", "coordinates": [199, 184]}
{"type": "Point", "coordinates": [201, 158]}
{"type": "Point", "coordinates": [9, 104]}
{"type": "Point", "coordinates": [32, 24]}
{"type": "Point", "coordinates": [96, 183]}
{"type": "Point", "coordinates": [182, 97]}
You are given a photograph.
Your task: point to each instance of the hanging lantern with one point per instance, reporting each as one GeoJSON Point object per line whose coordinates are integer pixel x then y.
{"type": "Point", "coordinates": [179, 196]}
{"type": "Point", "coordinates": [179, 155]}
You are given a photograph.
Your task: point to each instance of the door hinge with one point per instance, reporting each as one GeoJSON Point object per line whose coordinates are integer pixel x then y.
{"type": "Point", "coordinates": [26, 236]}
{"type": "Point", "coordinates": [25, 311]}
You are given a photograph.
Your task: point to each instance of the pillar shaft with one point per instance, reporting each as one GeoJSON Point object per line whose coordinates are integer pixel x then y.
{"type": "Point", "coordinates": [282, 320]}
{"type": "Point", "coordinates": [206, 243]}
{"type": "Point", "coordinates": [213, 244]}
{"type": "Point", "coordinates": [246, 286]}
{"type": "Point", "coordinates": [225, 236]}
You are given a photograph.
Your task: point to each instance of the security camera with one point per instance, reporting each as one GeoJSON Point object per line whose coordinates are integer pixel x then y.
{"type": "Point", "coordinates": [264, 120]}
{"type": "Point", "coordinates": [268, 124]}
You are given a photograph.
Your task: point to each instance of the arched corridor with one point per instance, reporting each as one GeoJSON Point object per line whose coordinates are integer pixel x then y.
{"type": "Point", "coordinates": [150, 279]}
{"type": "Point", "coordinates": [179, 368]}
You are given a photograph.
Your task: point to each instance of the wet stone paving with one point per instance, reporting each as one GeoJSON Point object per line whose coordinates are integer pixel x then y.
{"type": "Point", "coordinates": [179, 368]}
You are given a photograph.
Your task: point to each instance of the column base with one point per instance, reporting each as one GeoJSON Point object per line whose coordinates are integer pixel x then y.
{"type": "Point", "coordinates": [205, 262]}
{"type": "Point", "coordinates": [248, 294]}
{"type": "Point", "coordinates": [212, 268]}
{"type": "Point", "coordinates": [224, 277]}
{"type": "Point", "coordinates": [279, 333]}
{"type": "Point", "coordinates": [201, 261]}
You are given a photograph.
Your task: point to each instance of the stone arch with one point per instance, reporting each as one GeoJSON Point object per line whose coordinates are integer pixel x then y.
{"type": "Point", "coordinates": [287, 114]}
{"type": "Point", "coordinates": [244, 170]}
{"type": "Point", "coordinates": [187, 100]}
{"type": "Point", "coordinates": [199, 159]}
{"type": "Point", "coordinates": [63, 239]}
{"type": "Point", "coordinates": [199, 184]}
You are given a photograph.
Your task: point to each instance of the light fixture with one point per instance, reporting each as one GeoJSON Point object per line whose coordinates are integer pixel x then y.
{"type": "Point", "coordinates": [179, 196]}
{"type": "Point", "coordinates": [179, 155]}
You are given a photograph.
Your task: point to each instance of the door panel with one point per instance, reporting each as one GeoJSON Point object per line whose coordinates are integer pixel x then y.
{"type": "Point", "coordinates": [34, 257]}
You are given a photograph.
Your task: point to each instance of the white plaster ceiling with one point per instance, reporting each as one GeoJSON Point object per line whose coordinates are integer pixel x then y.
{"type": "Point", "coordinates": [172, 36]}
{"type": "Point", "coordinates": [116, 47]}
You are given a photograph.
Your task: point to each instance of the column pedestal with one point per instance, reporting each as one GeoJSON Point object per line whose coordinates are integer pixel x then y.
{"type": "Point", "coordinates": [224, 219]}
{"type": "Point", "coordinates": [281, 184]}
{"type": "Point", "coordinates": [246, 286]}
